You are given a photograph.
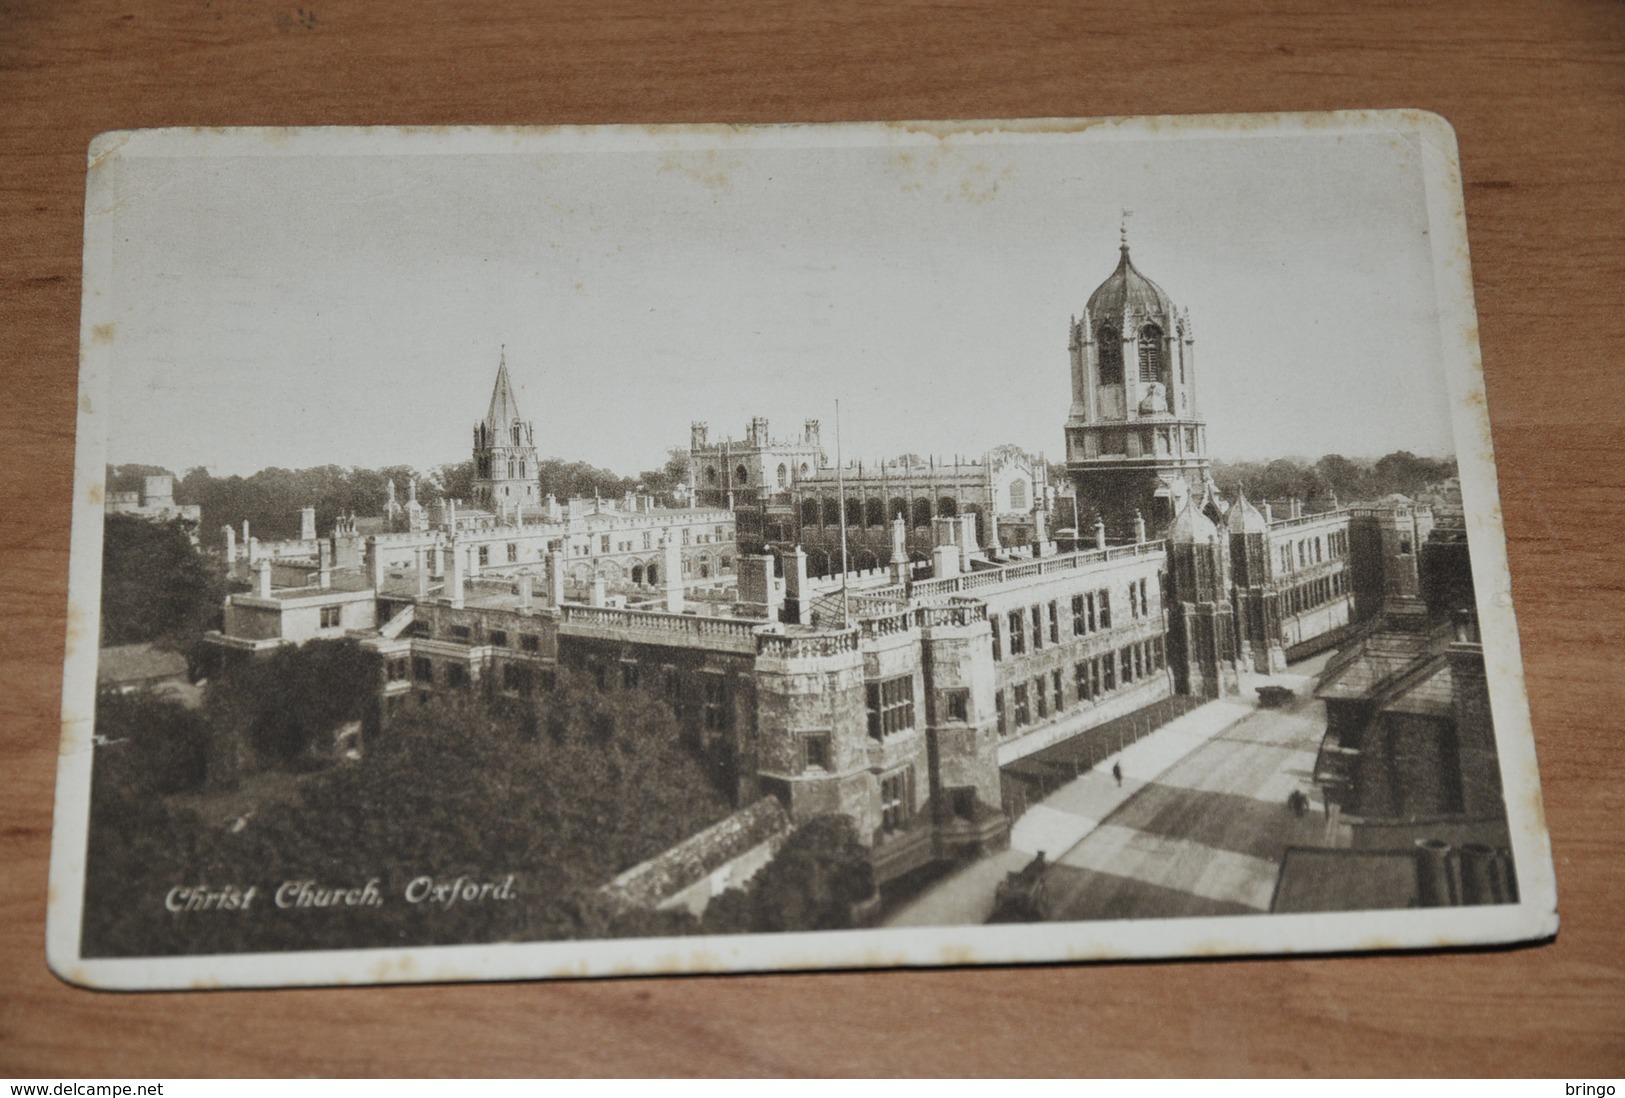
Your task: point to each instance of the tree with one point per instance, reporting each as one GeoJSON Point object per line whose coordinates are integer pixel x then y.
{"type": "Point", "coordinates": [816, 880]}
{"type": "Point", "coordinates": [155, 585]}
{"type": "Point", "coordinates": [455, 788]}
{"type": "Point", "coordinates": [285, 708]}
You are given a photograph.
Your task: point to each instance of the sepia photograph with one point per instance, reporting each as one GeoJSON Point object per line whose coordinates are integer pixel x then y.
{"type": "Point", "coordinates": [585, 551]}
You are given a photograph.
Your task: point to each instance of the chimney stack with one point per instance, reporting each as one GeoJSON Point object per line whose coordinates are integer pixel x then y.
{"type": "Point", "coordinates": [600, 593]}
{"type": "Point", "coordinates": [422, 569]}
{"type": "Point", "coordinates": [262, 579]}
{"type": "Point", "coordinates": [454, 574]}
{"type": "Point", "coordinates": [672, 573]}
{"type": "Point", "coordinates": [375, 559]}
{"type": "Point", "coordinates": [324, 565]}
{"type": "Point", "coordinates": [899, 550]}
{"type": "Point", "coordinates": [555, 578]}
{"type": "Point", "coordinates": [796, 595]}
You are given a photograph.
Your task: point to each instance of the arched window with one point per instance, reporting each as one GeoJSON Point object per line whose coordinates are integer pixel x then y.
{"type": "Point", "coordinates": [1153, 366]}
{"type": "Point", "coordinates": [516, 434]}
{"type": "Point", "coordinates": [784, 475]}
{"type": "Point", "coordinates": [947, 507]}
{"type": "Point", "coordinates": [1018, 495]}
{"type": "Point", "coordinates": [874, 512]}
{"type": "Point", "coordinates": [922, 512]}
{"type": "Point", "coordinates": [804, 470]}
{"type": "Point", "coordinates": [854, 511]}
{"type": "Point", "coordinates": [1110, 345]}
{"type": "Point", "coordinates": [710, 474]}
{"type": "Point", "coordinates": [809, 512]}
{"type": "Point", "coordinates": [637, 574]}
{"type": "Point", "coordinates": [741, 475]}
{"type": "Point", "coordinates": [832, 511]}
{"type": "Point", "coordinates": [898, 506]}
{"type": "Point", "coordinates": [653, 574]}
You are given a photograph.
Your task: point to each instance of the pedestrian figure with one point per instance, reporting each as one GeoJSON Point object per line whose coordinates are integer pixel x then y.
{"type": "Point", "coordinates": [1117, 774]}
{"type": "Point", "coordinates": [1297, 802]}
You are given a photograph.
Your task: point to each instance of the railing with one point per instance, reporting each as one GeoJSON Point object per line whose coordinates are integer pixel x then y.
{"type": "Point", "coordinates": [697, 628]}
{"type": "Point", "coordinates": [790, 646]}
{"type": "Point", "coordinates": [1318, 516]}
{"type": "Point", "coordinates": [886, 625]}
{"type": "Point", "coordinates": [958, 612]}
{"type": "Point", "coordinates": [992, 577]}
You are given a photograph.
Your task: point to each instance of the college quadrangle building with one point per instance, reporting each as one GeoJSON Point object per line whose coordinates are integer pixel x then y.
{"type": "Point", "coordinates": [983, 614]}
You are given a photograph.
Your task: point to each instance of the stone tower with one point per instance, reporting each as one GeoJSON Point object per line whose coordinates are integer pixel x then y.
{"type": "Point", "coordinates": [1258, 610]}
{"type": "Point", "coordinates": [504, 451]}
{"type": "Point", "coordinates": [1135, 440]}
{"type": "Point", "coordinates": [1202, 624]}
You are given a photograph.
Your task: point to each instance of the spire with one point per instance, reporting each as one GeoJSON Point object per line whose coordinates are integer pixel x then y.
{"type": "Point", "coordinates": [504, 409]}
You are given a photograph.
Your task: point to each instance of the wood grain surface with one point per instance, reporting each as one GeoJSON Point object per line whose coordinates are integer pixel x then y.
{"type": "Point", "coordinates": [1537, 95]}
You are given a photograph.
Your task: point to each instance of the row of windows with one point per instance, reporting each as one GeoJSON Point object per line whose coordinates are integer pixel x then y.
{"type": "Point", "coordinates": [1041, 624]}
{"type": "Point", "coordinates": [826, 511]}
{"type": "Point", "coordinates": [1303, 552]}
{"type": "Point", "coordinates": [891, 706]}
{"type": "Point", "coordinates": [1091, 678]}
{"type": "Point", "coordinates": [496, 638]}
{"type": "Point", "coordinates": [1318, 592]}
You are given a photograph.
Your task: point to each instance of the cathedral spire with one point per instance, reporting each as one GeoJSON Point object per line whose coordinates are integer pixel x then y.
{"type": "Point", "coordinates": [504, 409]}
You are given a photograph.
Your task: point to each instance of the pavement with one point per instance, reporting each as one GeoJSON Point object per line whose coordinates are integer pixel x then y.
{"type": "Point", "coordinates": [1197, 826]}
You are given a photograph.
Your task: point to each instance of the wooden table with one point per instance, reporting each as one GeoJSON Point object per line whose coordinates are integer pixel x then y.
{"type": "Point", "coordinates": [1537, 95]}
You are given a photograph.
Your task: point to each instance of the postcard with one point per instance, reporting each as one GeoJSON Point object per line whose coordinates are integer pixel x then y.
{"type": "Point", "coordinates": [583, 551]}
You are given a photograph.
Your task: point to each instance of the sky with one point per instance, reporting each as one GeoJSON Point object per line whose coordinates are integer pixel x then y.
{"type": "Point", "coordinates": [344, 300]}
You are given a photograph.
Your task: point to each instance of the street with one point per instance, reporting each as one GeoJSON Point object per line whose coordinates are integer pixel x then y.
{"type": "Point", "coordinates": [1197, 827]}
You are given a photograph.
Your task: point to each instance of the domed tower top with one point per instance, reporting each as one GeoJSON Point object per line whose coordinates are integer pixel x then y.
{"type": "Point", "coordinates": [1128, 289]}
{"type": "Point", "coordinates": [1135, 440]}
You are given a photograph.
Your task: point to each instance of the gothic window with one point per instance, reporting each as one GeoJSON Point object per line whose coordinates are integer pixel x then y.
{"type": "Point", "coordinates": [741, 475]}
{"type": "Point", "coordinates": [1110, 344]}
{"type": "Point", "coordinates": [710, 474]}
{"type": "Point", "coordinates": [784, 476]}
{"type": "Point", "coordinates": [832, 512]}
{"type": "Point", "coordinates": [637, 574]}
{"type": "Point", "coordinates": [1018, 495]}
{"type": "Point", "coordinates": [809, 512]}
{"type": "Point", "coordinates": [654, 574]}
{"type": "Point", "coordinates": [516, 434]}
{"type": "Point", "coordinates": [946, 507]}
{"type": "Point", "coordinates": [898, 506]}
{"type": "Point", "coordinates": [874, 513]}
{"type": "Point", "coordinates": [922, 512]}
{"type": "Point", "coordinates": [1152, 365]}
